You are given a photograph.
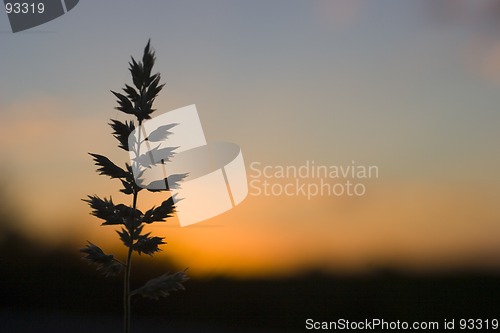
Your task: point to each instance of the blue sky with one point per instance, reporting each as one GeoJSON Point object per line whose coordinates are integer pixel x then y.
{"type": "Point", "coordinates": [409, 86]}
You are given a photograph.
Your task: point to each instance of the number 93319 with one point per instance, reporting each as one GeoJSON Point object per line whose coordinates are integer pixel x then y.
{"type": "Point", "coordinates": [24, 8]}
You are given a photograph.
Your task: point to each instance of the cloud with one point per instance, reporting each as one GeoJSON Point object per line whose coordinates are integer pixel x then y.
{"type": "Point", "coordinates": [481, 21]}
{"type": "Point", "coordinates": [483, 59]}
{"type": "Point", "coordinates": [483, 13]}
{"type": "Point", "coordinates": [339, 13]}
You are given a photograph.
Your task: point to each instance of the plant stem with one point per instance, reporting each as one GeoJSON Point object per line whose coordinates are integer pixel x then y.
{"type": "Point", "coordinates": [131, 229]}
{"type": "Point", "coordinates": [126, 287]}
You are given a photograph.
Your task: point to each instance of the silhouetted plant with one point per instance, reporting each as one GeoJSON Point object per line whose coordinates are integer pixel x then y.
{"type": "Point", "coordinates": [137, 101]}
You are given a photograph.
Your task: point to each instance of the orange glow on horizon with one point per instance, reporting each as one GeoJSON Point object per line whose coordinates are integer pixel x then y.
{"type": "Point", "coordinates": [410, 226]}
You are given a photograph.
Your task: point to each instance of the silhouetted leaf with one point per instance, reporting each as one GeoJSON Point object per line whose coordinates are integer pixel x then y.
{"type": "Point", "coordinates": [106, 263]}
{"type": "Point", "coordinates": [107, 167]}
{"type": "Point", "coordinates": [159, 214]}
{"type": "Point", "coordinates": [125, 237]}
{"type": "Point", "coordinates": [148, 245]}
{"type": "Point", "coordinates": [162, 286]}
{"type": "Point", "coordinates": [155, 88]}
{"type": "Point", "coordinates": [102, 208]}
{"type": "Point", "coordinates": [125, 105]}
{"type": "Point", "coordinates": [121, 132]}
{"type": "Point", "coordinates": [137, 232]}
{"type": "Point", "coordinates": [145, 108]}
{"type": "Point", "coordinates": [126, 215]}
{"type": "Point", "coordinates": [132, 174]}
{"type": "Point", "coordinates": [147, 159]}
{"type": "Point", "coordinates": [137, 75]}
{"type": "Point", "coordinates": [161, 133]}
{"type": "Point", "coordinates": [135, 179]}
{"type": "Point", "coordinates": [127, 187]}
{"type": "Point", "coordinates": [170, 183]}
{"type": "Point", "coordinates": [132, 94]}
{"type": "Point", "coordinates": [148, 60]}
{"type": "Point", "coordinates": [113, 214]}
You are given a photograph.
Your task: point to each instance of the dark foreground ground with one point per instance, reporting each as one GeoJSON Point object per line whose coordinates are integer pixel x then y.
{"type": "Point", "coordinates": [55, 292]}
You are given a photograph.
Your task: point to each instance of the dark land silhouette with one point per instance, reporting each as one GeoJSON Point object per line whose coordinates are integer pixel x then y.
{"type": "Point", "coordinates": [54, 291]}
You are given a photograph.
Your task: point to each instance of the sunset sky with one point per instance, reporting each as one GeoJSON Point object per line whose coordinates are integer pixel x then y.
{"type": "Point", "coordinates": [411, 87]}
